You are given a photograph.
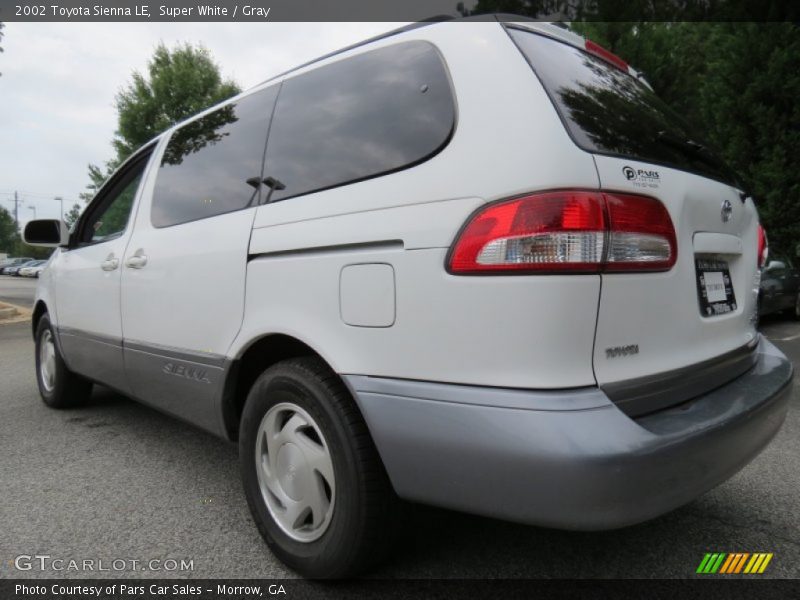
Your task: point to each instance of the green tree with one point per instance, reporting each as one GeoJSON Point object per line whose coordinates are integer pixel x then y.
{"type": "Point", "coordinates": [178, 84]}
{"type": "Point", "coordinates": [11, 242]}
{"type": "Point", "coordinates": [748, 103]}
{"type": "Point", "coordinates": [737, 85]}
{"type": "Point", "coordinates": [97, 177]}
{"type": "Point", "coordinates": [22, 249]}
{"type": "Point", "coordinates": [72, 215]}
{"type": "Point", "coordinates": [8, 231]}
{"type": "Point", "coordinates": [735, 82]}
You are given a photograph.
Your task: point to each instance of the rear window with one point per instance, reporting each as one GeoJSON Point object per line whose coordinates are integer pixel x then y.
{"type": "Point", "coordinates": [608, 111]}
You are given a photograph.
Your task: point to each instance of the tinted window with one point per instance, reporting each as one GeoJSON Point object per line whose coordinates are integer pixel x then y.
{"type": "Point", "coordinates": [610, 112]}
{"type": "Point", "coordinates": [112, 222]}
{"type": "Point", "coordinates": [207, 163]}
{"type": "Point", "coordinates": [360, 117]}
{"type": "Point", "coordinates": [108, 215]}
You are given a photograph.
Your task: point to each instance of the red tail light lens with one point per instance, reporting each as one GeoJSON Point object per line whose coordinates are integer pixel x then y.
{"type": "Point", "coordinates": [567, 232]}
{"type": "Point", "coordinates": [763, 246]}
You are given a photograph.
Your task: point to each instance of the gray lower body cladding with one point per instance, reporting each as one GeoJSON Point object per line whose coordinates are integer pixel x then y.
{"type": "Point", "coordinates": [568, 459]}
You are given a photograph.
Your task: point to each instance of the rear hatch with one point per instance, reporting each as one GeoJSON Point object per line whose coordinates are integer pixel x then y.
{"type": "Point", "coordinates": [661, 337]}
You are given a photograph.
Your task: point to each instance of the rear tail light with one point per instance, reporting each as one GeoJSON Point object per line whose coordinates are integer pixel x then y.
{"type": "Point", "coordinates": [763, 246]}
{"type": "Point", "coordinates": [606, 55]}
{"type": "Point", "coordinates": [567, 232]}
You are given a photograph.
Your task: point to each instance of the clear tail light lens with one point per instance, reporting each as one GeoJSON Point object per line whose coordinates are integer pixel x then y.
{"type": "Point", "coordinates": [567, 232]}
{"type": "Point", "coordinates": [641, 235]}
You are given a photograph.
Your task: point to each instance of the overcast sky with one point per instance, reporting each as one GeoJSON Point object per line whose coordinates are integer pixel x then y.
{"type": "Point", "coordinates": [59, 81]}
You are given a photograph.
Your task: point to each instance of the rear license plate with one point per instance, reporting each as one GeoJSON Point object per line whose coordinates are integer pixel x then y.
{"type": "Point", "coordinates": [714, 287]}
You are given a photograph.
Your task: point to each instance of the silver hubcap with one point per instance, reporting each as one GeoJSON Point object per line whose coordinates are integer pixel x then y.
{"type": "Point", "coordinates": [295, 472]}
{"type": "Point", "coordinates": [47, 361]}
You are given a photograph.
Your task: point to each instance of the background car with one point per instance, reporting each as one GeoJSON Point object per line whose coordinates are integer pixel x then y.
{"type": "Point", "coordinates": [780, 287]}
{"type": "Point", "coordinates": [14, 264]}
{"type": "Point", "coordinates": [29, 268]}
{"type": "Point", "coordinates": [14, 270]}
{"type": "Point", "coordinates": [36, 271]}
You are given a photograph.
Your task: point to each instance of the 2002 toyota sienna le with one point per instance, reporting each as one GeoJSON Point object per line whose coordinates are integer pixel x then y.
{"type": "Point", "coordinates": [479, 266]}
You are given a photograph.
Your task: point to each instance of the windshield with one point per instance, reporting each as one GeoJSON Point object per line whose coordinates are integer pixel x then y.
{"type": "Point", "coordinates": [608, 111]}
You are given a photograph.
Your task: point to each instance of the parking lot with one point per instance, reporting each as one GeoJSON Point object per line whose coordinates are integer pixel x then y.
{"type": "Point", "coordinates": [117, 480]}
{"type": "Point", "coordinates": [17, 290]}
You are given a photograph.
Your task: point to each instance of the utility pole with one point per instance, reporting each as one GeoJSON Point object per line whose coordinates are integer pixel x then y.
{"type": "Point", "coordinates": [61, 215]}
{"type": "Point", "coordinates": [16, 208]}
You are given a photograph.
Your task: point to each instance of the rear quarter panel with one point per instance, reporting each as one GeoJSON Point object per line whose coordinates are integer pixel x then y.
{"type": "Point", "coordinates": [526, 332]}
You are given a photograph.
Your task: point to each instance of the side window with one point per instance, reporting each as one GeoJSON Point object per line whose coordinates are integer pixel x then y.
{"type": "Point", "coordinates": [363, 116]}
{"type": "Point", "coordinates": [212, 165]}
{"type": "Point", "coordinates": [108, 217]}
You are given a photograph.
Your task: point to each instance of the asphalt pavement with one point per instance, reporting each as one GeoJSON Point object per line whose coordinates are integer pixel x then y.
{"type": "Point", "coordinates": [115, 480]}
{"type": "Point", "coordinates": [17, 290]}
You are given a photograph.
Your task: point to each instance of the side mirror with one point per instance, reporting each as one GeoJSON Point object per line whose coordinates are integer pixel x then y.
{"type": "Point", "coordinates": [47, 233]}
{"type": "Point", "coordinates": [775, 265]}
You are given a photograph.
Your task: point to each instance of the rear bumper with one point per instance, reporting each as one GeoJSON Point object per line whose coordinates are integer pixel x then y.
{"type": "Point", "coordinates": [568, 459]}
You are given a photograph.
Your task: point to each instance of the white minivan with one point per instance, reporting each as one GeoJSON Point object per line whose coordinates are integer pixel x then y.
{"type": "Point", "coordinates": [475, 265]}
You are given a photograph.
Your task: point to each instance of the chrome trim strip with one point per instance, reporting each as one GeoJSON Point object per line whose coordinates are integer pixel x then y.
{"type": "Point", "coordinates": [203, 358]}
{"type": "Point", "coordinates": [95, 337]}
{"type": "Point", "coordinates": [332, 249]}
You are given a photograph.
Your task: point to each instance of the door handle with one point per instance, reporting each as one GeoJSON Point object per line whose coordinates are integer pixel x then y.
{"type": "Point", "coordinates": [137, 261]}
{"type": "Point", "coordinates": [110, 263]}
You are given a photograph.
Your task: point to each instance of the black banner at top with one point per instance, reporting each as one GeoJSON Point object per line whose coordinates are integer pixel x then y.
{"type": "Point", "coordinates": [394, 10]}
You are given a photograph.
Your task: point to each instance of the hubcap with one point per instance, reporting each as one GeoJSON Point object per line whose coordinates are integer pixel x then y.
{"type": "Point", "coordinates": [47, 361]}
{"type": "Point", "coordinates": [295, 472]}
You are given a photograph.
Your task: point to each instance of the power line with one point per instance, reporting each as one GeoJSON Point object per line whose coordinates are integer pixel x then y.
{"type": "Point", "coordinates": [38, 197]}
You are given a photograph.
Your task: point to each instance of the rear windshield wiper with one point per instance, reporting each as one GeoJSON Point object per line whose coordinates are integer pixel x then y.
{"type": "Point", "coordinates": [700, 152]}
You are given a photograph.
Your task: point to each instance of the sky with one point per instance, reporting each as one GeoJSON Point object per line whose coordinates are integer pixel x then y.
{"type": "Point", "coordinates": [59, 81]}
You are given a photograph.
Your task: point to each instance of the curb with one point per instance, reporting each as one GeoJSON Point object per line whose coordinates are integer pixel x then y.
{"type": "Point", "coordinates": [11, 313]}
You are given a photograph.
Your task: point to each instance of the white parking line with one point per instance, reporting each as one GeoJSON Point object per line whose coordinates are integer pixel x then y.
{"type": "Point", "coordinates": [786, 339]}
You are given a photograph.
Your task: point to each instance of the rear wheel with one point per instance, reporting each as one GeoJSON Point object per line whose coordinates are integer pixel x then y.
{"type": "Point", "coordinates": [313, 479]}
{"type": "Point", "coordinates": [58, 386]}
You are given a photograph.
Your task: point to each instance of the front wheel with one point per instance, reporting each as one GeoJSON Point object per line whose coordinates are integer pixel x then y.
{"type": "Point", "coordinates": [58, 386]}
{"type": "Point", "coordinates": [313, 479]}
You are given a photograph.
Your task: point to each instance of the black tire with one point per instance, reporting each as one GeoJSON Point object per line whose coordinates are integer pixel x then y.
{"type": "Point", "coordinates": [363, 522]}
{"type": "Point", "coordinates": [794, 312]}
{"type": "Point", "coordinates": [68, 388]}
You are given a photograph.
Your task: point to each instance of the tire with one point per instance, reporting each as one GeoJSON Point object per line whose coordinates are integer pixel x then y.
{"type": "Point", "coordinates": [58, 386]}
{"type": "Point", "coordinates": [795, 310]}
{"type": "Point", "coordinates": [305, 408]}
